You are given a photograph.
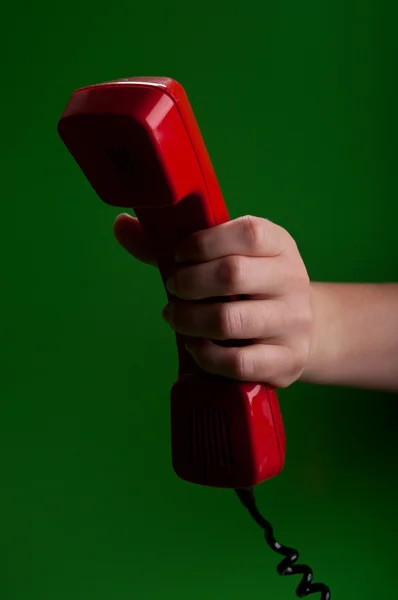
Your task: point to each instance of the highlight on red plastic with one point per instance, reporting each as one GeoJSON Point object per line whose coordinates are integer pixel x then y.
{"type": "Point", "coordinates": [138, 144]}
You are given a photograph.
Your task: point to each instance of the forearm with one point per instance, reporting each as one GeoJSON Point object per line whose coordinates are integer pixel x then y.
{"type": "Point", "coordinates": [355, 336]}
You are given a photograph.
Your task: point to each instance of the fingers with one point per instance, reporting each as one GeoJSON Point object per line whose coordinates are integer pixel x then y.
{"type": "Point", "coordinates": [229, 320]}
{"type": "Point", "coordinates": [129, 233]}
{"type": "Point", "coordinates": [232, 275]}
{"type": "Point", "coordinates": [275, 365]}
{"type": "Point", "coordinates": [249, 236]}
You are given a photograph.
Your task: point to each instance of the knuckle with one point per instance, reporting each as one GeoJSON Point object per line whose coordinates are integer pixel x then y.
{"type": "Point", "coordinates": [242, 364]}
{"type": "Point", "coordinates": [297, 365]}
{"type": "Point", "coordinates": [229, 321]}
{"type": "Point", "coordinates": [183, 283]}
{"type": "Point", "coordinates": [283, 381]}
{"type": "Point", "coordinates": [254, 232]}
{"type": "Point", "coordinates": [290, 365]}
{"type": "Point", "coordinates": [230, 271]}
{"type": "Point", "coordinates": [178, 282]}
{"type": "Point", "coordinates": [302, 277]}
{"type": "Point", "coordinates": [199, 243]}
{"type": "Point", "coordinates": [296, 274]}
{"type": "Point", "coordinates": [289, 239]}
{"type": "Point", "coordinates": [293, 368]}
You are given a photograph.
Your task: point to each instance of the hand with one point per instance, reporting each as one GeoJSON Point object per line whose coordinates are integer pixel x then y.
{"type": "Point", "coordinates": [249, 256]}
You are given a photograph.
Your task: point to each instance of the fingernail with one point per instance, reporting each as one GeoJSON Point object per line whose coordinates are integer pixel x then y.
{"type": "Point", "coordinates": [170, 285]}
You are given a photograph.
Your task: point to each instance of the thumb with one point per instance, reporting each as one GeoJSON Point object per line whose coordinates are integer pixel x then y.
{"type": "Point", "coordinates": [130, 235]}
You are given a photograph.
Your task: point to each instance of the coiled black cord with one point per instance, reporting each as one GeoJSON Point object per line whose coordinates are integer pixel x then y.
{"type": "Point", "coordinates": [287, 566]}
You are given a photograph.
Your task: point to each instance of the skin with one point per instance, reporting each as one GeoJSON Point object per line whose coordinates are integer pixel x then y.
{"type": "Point", "coordinates": [324, 333]}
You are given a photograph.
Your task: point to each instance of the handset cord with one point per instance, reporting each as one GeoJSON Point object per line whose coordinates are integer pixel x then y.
{"type": "Point", "coordinates": [287, 566]}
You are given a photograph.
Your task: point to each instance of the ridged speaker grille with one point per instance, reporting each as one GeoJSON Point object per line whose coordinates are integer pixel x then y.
{"type": "Point", "coordinates": [210, 438]}
{"type": "Point", "coordinates": [121, 161]}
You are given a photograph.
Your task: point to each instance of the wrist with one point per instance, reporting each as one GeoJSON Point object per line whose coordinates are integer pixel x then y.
{"type": "Point", "coordinates": [323, 333]}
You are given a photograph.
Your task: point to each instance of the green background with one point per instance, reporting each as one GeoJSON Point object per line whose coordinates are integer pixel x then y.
{"type": "Point", "coordinates": [297, 104]}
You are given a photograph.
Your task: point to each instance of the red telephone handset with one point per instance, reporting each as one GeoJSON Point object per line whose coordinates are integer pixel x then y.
{"type": "Point", "coordinates": [139, 146]}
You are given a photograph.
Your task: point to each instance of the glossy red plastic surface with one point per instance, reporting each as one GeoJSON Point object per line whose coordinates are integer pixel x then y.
{"type": "Point", "coordinates": [139, 146]}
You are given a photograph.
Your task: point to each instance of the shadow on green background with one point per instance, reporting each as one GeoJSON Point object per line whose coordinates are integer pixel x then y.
{"type": "Point", "coordinates": [297, 104]}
